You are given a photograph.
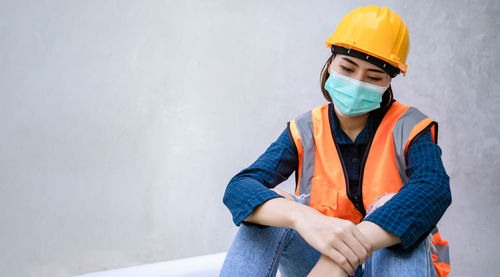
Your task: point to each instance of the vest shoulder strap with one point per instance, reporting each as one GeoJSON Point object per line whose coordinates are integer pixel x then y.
{"type": "Point", "coordinates": [411, 123]}
{"type": "Point", "coordinates": [301, 130]}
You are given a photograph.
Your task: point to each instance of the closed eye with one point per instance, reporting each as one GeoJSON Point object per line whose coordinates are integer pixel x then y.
{"type": "Point", "coordinates": [346, 69]}
{"type": "Point", "coordinates": [374, 78]}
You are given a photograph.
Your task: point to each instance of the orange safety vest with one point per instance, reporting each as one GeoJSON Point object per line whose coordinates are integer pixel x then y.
{"type": "Point", "coordinates": [321, 174]}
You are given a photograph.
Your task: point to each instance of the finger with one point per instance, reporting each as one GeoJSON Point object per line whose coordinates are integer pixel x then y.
{"type": "Point", "coordinates": [365, 242]}
{"type": "Point", "coordinates": [347, 252]}
{"type": "Point", "coordinates": [339, 259]}
{"type": "Point", "coordinates": [356, 246]}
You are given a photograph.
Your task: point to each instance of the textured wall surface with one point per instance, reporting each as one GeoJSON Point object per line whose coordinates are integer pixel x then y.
{"type": "Point", "coordinates": [122, 121]}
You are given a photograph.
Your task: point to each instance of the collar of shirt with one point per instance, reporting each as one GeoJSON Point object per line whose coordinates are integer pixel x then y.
{"type": "Point", "coordinates": [362, 138]}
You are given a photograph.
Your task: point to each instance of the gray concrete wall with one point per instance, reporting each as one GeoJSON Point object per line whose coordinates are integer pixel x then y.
{"type": "Point", "coordinates": [122, 121]}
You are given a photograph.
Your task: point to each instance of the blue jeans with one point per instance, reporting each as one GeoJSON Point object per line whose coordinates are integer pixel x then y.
{"type": "Point", "coordinates": [258, 251]}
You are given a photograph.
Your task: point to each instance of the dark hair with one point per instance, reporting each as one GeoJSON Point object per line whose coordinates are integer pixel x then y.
{"type": "Point", "coordinates": [387, 97]}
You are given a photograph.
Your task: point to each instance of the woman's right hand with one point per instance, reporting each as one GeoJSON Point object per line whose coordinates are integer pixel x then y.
{"type": "Point", "coordinates": [336, 238]}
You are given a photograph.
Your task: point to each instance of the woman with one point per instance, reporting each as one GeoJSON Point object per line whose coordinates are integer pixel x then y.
{"type": "Point", "coordinates": [370, 181]}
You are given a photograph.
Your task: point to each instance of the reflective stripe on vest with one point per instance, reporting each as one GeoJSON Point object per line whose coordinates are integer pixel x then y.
{"type": "Point", "coordinates": [440, 254]}
{"type": "Point", "coordinates": [304, 135]}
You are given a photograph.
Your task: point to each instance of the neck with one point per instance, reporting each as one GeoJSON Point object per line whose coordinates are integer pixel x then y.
{"type": "Point", "coordinates": [352, 126]}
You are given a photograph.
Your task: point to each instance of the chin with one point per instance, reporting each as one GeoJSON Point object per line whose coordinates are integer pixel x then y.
{"type": "Point", "coordinates": [343, 115]}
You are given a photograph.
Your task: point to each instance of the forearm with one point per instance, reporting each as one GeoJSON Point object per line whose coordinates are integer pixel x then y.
{"type": "Point", "coordinates": [379, 238]}
{"type": "Point", "coordinates": [327, 267]}
{"type": "Point", "coordinates": [278, 212]}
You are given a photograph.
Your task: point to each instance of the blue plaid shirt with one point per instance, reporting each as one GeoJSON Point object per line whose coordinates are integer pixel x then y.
{"type": "Point", "coordinates": [410, 214]}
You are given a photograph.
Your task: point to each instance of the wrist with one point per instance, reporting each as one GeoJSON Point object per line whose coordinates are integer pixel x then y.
{"type": "Point", "coordinates": [300, 214]}
{"type": "Point", "coordinates": [377, 236]}
{"type": "Point", "coordinates": [297, 215]}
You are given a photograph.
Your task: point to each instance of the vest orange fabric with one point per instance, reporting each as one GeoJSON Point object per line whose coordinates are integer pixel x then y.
{"type": "Point", "coordinates": [440, 254]}
{"type": "Point", "coordinates": [321, 174]}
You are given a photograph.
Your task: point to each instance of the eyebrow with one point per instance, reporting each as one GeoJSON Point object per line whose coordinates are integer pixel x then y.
{"type": "Point", "coordinates": [355, 64]}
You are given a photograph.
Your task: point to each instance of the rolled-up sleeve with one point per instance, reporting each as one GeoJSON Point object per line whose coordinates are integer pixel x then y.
{"type": "Point", "coordinates": [412, 213]}
{"type": "Point", "coordinates": [250, 187]}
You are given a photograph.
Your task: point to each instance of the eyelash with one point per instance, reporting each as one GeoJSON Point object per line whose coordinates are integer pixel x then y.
{"type": "Point", "coordinates": [346, 69]}
{"type": "Point", "coordinates": [350, 70]}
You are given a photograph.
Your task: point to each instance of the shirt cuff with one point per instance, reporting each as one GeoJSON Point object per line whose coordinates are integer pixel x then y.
{"type": "Point", "coordinates": [247, 206]}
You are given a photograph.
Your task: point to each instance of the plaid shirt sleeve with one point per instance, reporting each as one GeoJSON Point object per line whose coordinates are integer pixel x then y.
{"type": "Point", "coordinates": [417, 207]}
{"type": "Point", "coordinates": [250, 188]}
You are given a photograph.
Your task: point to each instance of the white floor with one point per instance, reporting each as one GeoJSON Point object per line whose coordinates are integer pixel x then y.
{"type": "Point", "coordinates": [206, 266]}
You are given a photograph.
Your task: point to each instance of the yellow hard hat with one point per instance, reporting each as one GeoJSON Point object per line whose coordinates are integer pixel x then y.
{"type": "Point", "coordinates": [375, 31]}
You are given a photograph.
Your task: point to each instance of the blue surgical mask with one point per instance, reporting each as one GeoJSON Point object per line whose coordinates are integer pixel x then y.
{"type": "Point", "coordinates": [352, 97]}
